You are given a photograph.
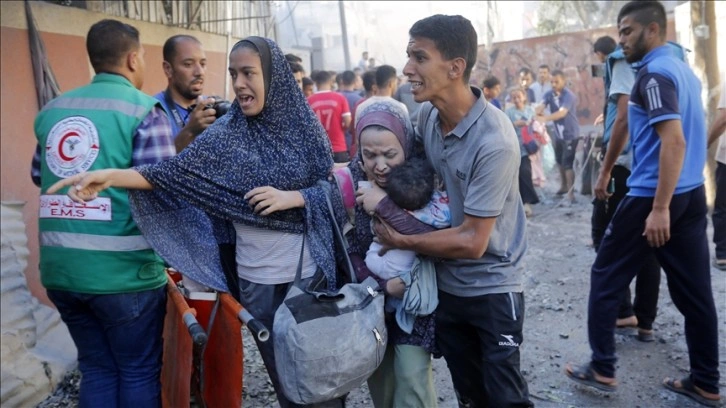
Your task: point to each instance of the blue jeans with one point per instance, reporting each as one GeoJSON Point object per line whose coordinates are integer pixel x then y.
{"type": "Point", "coordinates": [119, 342]}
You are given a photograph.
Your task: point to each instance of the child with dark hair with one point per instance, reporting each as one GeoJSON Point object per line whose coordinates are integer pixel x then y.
{"type": "Point", "coordinates": [413, 187]}
{"type": "Point", "coordinates": [308, 86]}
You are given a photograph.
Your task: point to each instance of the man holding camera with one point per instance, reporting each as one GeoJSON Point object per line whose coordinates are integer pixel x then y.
{"type": "Point", "coordinates": [185, 65]}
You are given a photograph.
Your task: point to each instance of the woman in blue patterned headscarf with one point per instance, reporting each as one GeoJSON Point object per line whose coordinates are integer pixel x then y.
{"type": "Point", "coordinates": [255, 169]}
{"type": "Point", "coordinates": [385, 140]}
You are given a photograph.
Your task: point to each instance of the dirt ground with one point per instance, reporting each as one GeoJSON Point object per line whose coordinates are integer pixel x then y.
{"type": "Point", "coordinates": [556, 270]}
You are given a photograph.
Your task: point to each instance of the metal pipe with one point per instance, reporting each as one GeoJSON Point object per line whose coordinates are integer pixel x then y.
{"type": "Point", "coordinates": [344, 29]}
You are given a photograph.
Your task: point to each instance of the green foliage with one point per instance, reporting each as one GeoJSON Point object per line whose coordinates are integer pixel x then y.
{"type": "Point", "coordinates": [559, 16]}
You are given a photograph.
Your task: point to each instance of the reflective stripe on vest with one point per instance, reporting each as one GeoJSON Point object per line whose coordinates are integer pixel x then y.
{"type": "Point", "coordinates": [126, 108]}
{"type": "Point", "coordinates": [94, 242]}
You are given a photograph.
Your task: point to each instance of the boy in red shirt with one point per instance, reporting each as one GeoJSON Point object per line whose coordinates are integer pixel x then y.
{"type": "Point", "coordinates": [334, 113]}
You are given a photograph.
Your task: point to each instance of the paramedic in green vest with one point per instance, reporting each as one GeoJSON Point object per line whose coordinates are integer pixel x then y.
{"type": "Point", "coordinates": [107, 283]}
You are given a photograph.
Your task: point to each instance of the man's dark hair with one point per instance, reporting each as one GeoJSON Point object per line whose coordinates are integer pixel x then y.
{"type": "Point", "coordinates": [295, 67]}
{"type": "Point", "coordinates": [384, 75]}
{"type": "Point", "coordinates": [321, 77]}
{"type": "Point", "coordinates": [525, 71]}
{"type": "Point", "coordinates": [453, 36]}
{"type": "Point", "coordinates": [169, 50]}
{"type": "Point", "coordinates": [369, 79]}
{"type": "Point", "coordinates": [307, 82]}
{"type": "Point", "coordinates": [490, 82]}
{"type": "Point", "coordinates": [604, 45]}
{"type": "Point", "coordinates": [293, 58]}
{"type": "Point", "coordinates": [545, 66]}
{"type": "Point", "coordinates": [558, 73]}
{"type": "Point", "coordinates": [108, 41]}
{"type": "Point", "coordinates": [411, 184]}
{"type": "Point", "coordinates": [348, 77]}
{"type": "Point", "coordinates": [644, 13]}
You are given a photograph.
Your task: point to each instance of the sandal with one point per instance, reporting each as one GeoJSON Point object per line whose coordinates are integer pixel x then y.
{"type": "Point", "coordinates": [585, 375]}
{"type": "Point", "coordinates": [689, 390]}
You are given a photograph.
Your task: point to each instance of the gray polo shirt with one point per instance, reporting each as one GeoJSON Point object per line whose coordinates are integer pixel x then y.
{"type": "Point", "coordinates": [479, 164]}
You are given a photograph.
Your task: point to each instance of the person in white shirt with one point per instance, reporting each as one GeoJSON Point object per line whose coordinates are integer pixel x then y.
{"type": "Point", "coordinates": [542, 85]}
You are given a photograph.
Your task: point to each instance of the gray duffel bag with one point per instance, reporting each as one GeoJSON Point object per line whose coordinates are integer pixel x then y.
{"type": "Point", "coordinates": [328, 343]}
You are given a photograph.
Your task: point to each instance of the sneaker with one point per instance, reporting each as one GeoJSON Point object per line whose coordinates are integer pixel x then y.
{"type": "Point", "coordinates": [719, 264]}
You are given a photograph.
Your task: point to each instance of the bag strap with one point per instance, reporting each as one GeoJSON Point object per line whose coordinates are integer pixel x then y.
{"type": "Point", "coordinates": [337, 237]}
{"type": "Point", "coordinates": [337, 232]}
{"type": "Point", "coordinates": [298, 272]}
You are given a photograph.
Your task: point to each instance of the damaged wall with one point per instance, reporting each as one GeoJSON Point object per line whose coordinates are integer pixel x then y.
{"type": "Point", "coordinates": [571, 53]}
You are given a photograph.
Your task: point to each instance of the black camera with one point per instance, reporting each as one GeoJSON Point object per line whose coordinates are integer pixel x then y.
{"type": "Point", "coordinates": [220, 106]}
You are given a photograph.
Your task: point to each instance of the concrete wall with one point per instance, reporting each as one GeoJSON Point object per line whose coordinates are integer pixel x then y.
{"type": "Point", "coordinates": [63, 31]}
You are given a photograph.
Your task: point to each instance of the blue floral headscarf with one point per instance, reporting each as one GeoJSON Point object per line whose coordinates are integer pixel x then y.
{"type": "Point", "coordinates": [284, 146]}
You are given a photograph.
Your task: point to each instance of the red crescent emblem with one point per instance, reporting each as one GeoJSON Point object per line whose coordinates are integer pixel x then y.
{"type": "Point", "coordinates": [60, 146]}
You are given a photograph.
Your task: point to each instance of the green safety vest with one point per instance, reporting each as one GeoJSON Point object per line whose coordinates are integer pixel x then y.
{"type": "Point", "coordinates": [95, 247]}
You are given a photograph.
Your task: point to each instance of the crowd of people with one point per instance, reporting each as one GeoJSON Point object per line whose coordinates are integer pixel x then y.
{"type": "Point", "coordinates": [445, 179]}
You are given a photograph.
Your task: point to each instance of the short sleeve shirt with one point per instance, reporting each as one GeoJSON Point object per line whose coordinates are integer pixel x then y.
{"type": "Point", "coordinates": [623, 79]}
{"type": "Point", "coordinates": [568, 128]}
{"type": "Point", "coordinates": [665, 89]}
{"type": "Point", "coordinates": [479, 164]}
{"type": "Point", "coordinates": [330, 107]}
{"type": "Point", "coordinates": [526, 115]}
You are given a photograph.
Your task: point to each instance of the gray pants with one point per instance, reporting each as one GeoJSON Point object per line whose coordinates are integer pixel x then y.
{"type": "Point", "coordinates": [262, 302]}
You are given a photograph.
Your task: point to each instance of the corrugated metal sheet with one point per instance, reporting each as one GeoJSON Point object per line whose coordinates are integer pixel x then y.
{"type": "Point", "coordinates": [239, 18]}
{"type": "Point", "coordinates": [36, 347]}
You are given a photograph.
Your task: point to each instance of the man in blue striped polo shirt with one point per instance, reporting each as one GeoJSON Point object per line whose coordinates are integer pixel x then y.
{"type": "Point", "coordinates": [664, 212]}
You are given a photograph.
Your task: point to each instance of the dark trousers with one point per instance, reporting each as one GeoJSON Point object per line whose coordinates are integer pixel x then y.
{"type": "Point", "coordinates": [719, 212]}
{"type": "Point", "coordinates": [565, 152]}
{"type": "Point", "coordinates": [480, 337]}
{"type": "Point", "coordinates": [647, 284]}
{"type": "Point", "coordinates": [526, 187]}
{"type": "Point", "coordinates": [684, 259]}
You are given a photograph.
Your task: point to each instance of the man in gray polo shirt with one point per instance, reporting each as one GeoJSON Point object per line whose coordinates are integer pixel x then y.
{"type": "Point", "coordinates": [475, 151]}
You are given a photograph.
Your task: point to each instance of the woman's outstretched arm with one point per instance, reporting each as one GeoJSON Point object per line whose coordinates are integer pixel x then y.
{"type": "Point", "coordinates": [86, 186]}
